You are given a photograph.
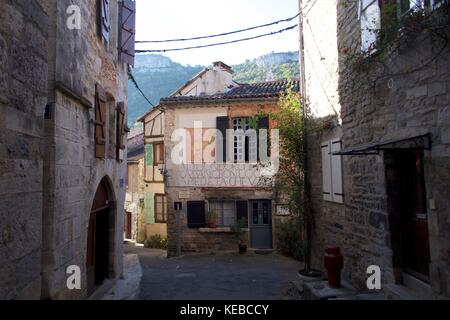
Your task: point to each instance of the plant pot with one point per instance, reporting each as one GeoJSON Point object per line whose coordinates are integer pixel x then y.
{"type": "Point", "coordinates": [212, 224]}
{"type": "Point", "coordinates": [313, 275]}
{"type": "Point", "coordinates": [242, 248]}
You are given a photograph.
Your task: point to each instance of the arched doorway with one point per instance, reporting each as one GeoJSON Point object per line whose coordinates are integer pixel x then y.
{"type": "Point", "coordinates": [101, 229]}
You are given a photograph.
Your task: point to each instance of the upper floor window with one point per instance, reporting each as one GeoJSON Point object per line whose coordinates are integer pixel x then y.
{"type": "Point", "coordinates": [387, 14]}
{"type": "Point", "coordinates": [244, 141]}
{"type": "Point", "coordinates": [158, 154]}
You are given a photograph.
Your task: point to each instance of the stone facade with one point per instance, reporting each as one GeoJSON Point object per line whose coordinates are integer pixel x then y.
{"type": "Point", "coordinates": [406, 97]}
{"type": "Point", "coordinates": [23, 95]}
{"type": "Point", "coordinates": [49, 144]}
{"type": "Point", "coordinates": [206, 181]}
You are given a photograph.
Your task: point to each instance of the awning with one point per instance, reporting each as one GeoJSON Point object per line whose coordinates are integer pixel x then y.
{"type": "Point", "coordinates": [422, 142]}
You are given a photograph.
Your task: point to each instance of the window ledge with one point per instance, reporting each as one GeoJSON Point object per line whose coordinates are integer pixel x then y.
{"type": "Point", "coordinates": [218, 230]}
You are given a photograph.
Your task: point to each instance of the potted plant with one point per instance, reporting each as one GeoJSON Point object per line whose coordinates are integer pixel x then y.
{"type": "Point", "coordinates": [211, 219]}
{"type": "Point", "coordinates": [240, 234]}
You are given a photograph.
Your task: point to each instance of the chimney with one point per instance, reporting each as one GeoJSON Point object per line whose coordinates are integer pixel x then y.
{"type": "Point", "coordinates": [223, 66]}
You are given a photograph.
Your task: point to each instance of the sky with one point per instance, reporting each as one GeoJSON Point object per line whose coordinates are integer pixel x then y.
{"type": "Point", "coordinates": [169, 19]}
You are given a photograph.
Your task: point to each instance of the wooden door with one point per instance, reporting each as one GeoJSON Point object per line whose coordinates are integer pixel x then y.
{"type": "Point", "coordinates": [129, 219]}
{"type": "Point", "coordinates": [90, 258]}
{"type": "Point", "coordinates": [415, 217]}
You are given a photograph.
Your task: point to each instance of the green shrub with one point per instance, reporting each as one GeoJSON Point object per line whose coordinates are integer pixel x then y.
{"type": "Point", "coordinates": [289, 241]}
{"type": "Point", "coordinates": [156, 242]}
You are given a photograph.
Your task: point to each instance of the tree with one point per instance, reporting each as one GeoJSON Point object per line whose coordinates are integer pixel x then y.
{"type": "Point", "coordinates": [290, 182]}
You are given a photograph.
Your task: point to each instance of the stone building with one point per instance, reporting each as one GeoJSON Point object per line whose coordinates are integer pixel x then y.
{"type": "Point", "coordinates": [394, 96]}
{"type": "Point", "coordinates": [63, 91]}
{"type": "Point", "coordinates": [216, 178]}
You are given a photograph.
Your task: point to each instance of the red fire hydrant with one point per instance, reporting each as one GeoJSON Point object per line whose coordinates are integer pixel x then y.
{"type": "Point", "coordinates": [334, 263]}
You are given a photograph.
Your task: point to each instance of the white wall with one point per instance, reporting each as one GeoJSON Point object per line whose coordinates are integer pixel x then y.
{"type": "Point", "coordinates": [321, 57]}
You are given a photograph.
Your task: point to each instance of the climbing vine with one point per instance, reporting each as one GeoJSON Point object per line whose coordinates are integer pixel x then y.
{"type": "Point", "coordinates": [395, 37]}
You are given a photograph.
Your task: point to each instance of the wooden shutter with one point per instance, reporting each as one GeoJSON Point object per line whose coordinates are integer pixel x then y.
{"type": "Point", "coordinates": [105, 26]}
{"type": "Point", "coordinates": [263, 123]}
{"type": "Point", "coordinates": [336, 172]}
{"type": "Point", "coordinates": [128, 31]}
{"type": "Point", "coordinates": [100, 122]}
{"type": "Point", "coordinates": [120, 139]}
{"type": "Point", "coordinates": [326, 171]}
{"type": "Point", "coordinates": [221, 142]}
{"type": "Point", "coordinates": [196, 214]}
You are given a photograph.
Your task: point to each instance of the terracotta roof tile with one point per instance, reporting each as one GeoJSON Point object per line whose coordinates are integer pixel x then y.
{"type": "Point", "coordinates": [267, 89]}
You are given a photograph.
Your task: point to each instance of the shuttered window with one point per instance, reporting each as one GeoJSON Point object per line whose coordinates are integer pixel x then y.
{"type": "Point", "coordinates": [158, 153]}
{"type": "Point", "coordinates": [332, 186]}
{"type": "Point", "coordinates": [128, 31]}
{"type": "Point", "coordinates": [120, 139]}
{"type": "Point", "coordinates": [100, 122]}
{"type": "Point", "coordinates": [104, 20]}
{"type": "Point", "coordinates": [196, 214]}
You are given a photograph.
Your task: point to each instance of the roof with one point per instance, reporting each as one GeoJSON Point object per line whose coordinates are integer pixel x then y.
{"type": "Point", "coordinates": [268, 89]}
{"type": "Point", "coordinates": [135, 146]}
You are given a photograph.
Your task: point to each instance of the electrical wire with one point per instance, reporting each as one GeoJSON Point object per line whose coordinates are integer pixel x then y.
{"type": "Point", "coordinates": [130, 75]}
{"type": "Point", "coordinates": [221, 43]}
{"type": "Point", "coordinates": [220, 34]}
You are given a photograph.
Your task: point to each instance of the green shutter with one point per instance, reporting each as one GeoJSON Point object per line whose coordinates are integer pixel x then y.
{"type": "Point", "coordinates": [149, 208]}
{"type": "Point", "coordinates": [149, 154]}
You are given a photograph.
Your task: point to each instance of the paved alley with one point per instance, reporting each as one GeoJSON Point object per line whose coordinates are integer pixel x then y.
{"type": "Point", "coordinates": [214, 276]}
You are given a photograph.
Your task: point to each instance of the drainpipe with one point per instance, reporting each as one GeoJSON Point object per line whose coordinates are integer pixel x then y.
{"type": "Point", "coordinates": [301, 54]}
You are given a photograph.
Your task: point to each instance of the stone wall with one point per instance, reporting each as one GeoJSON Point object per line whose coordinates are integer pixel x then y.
{"type": "Point", "coordinates": [330, 226]}
{"type": "Point", "coordinates": [23, 93]}
{"type": "Point", "coordinates": [408, 96]}
{"type": "Point", "coordinates": [205, 239]}
{"type": "Point", "coordinates": [80, 60]}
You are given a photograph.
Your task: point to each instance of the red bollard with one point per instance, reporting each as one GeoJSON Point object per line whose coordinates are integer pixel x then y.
{"type": "Point", "coordinates": [334, 263]}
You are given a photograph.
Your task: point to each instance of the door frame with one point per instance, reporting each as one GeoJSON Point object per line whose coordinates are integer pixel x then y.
{"type": "Point", "coordinates": [103, 204]}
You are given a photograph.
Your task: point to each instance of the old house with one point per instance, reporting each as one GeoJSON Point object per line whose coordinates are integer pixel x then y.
{"type": "Point", "coordinates": [154, 217]}
{"type": "Point", "coordinates": [391, 159]}
{"type": "Point", "coordinates": [62, 149]}
{"type": "Point", "coordinates": [212, 160]}
{"type": "Point", "coordinates": [134, 224]}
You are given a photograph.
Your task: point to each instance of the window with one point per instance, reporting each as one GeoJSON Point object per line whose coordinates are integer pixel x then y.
{"type": "Point", "coordinates": [160, 208]}
{"type": "Point", "coordinates": [229, 211]}
{"type": "Point", "coordinates": [377, 14]}
{"type": "Point", "coordinates": [332, 187]}
{"type": "Point", "coordinates": [196, 214]}
{"type": "Point", "coordinates": [158, 154]}
{"type": "Point", "coordinates": [370, 24]}
{"type": "Point", "coordinates": [245, 141]}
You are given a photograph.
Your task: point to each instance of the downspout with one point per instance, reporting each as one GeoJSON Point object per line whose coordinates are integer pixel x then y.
{"type": "Point", "coordinates": [306, 188]}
